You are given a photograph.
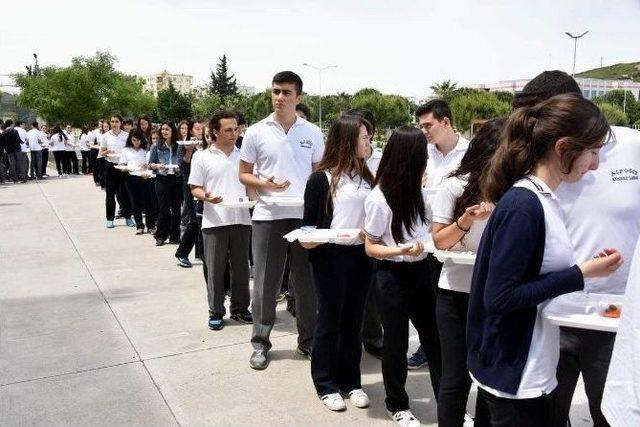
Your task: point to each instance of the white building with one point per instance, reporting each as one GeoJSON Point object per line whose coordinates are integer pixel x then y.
{"type": "Point", "coordinates": [157, 82]}
{"type": "Point", "coordinates": [591, 88]}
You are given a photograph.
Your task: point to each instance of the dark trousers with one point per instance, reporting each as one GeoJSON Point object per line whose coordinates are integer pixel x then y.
{"type": "Point", "coordinates": [372, 325]}
{"type": "Point", "coordinates": [93, 156]}
{"type": "Point", "coordinates": [451, 315]}
{"type": "Point", "coordinates": [139, 196]}
{"type": "Point", "coordinates": [98, 171]}
{"type": "Point", "coordinates": [169, 191]}
{"type": "Point", "coordinates": [36, 164]}
{"type": "Point", "coordinates": [192, 231]}
{"type": "Point", "coordinates": [73, 161]}
{"type": "Point", "coordinates": [115, 181]}
{"type": "Point", "coordinates": [45, 161]}
{"type": "Point", "coordinates": [341, 276]}
{"type": "Point", "coordinates": [152, 209]}
{"type": "Point", "coordinates": [227, 245]}
{"type": "Point", "coordinates": [587, 352]}
{"type": "Point", "coordinates": [405, 293]}
{"type": "Point", "coordinates": [17, 166]}
{"type": "Point", "coordinates": [535, 412]}
{"type": "Point", "coordinates": [85, 161]}
{"type": "Point", "coordinates": [59, 158]}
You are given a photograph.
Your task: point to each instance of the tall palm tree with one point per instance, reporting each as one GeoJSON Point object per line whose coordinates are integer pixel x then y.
{"type": "Point", "coordinates": [444, 90]}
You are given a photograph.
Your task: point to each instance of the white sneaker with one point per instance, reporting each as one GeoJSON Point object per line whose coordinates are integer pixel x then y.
{"type": "Point", "coordinates": [404, 418]}
{"type": "Point", "coordinates": [333, 401]}
{"type": "Point", "coordinates": [359, 398]}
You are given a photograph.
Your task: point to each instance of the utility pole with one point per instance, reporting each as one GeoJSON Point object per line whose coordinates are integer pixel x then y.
{"type": "Point", "coordinates": [575, 48]}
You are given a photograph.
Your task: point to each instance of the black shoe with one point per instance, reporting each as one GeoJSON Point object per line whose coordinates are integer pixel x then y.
{"type": "Point", "coordinates": [140, 231]}
{"type": "Point", "coordinates": [159, 242]}
{"type": "Point", "coordinates": [304, 352]}
{"type": "Point", "coordinates": [215, 322]}
{"type": "Point", "coordinates": [243, 317]}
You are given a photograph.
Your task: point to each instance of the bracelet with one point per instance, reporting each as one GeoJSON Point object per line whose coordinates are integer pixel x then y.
{"type": "Point", "coordinates": [462, 229]}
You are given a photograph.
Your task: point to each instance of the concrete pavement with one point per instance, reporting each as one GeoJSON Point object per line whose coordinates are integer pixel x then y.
{"type": "Point", "coordinates": [100, 327]}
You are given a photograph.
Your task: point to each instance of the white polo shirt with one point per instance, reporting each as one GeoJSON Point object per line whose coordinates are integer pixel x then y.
{"type": "Point", "coordinates": [217, 173]}
{"type": "Point", "coordinates": [23, 137]}
{"type": "Point", "coordinates": [114, 143]}
{"type": "Point", "coordinates": [456, 277]}
{"type": "Point", "coordinates": [57, 142]}
{"type": "Point", "coordinates": [285, 156]}
{"type": "Point", "coordinates": [36, 137]}
{"type": "Point", "coordinates": [377, 225]}
{"type": "Point", "coordinates": [440, 166]}
{"type": "Point", "coordinates": [348, 203]}
{"type": "Point", "coordinates": [131, 157]}
{"type": "Point", "coordinates": [602, 210]}
{"type": "Point", "coordinates": [539, 374]}
{"type": "Point", "coordinates": [374, 161]}
{"type": "Point", "coordinates": [70, 144]}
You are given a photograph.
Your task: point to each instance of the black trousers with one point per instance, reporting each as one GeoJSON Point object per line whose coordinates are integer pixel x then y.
{"type": "Point", "coordinates": [85, 161]}
{"type": "Point", "coordinates": [341, 276]}
{"type": "Point", "coordinates": [169, 191]}
{"type": "Point", "coordinates": [138, 191]}
{"type": "Point", "coordinates": [405, 293]}
{"type": "Point", "coordinates": [59, 158]}
{"type": "Point", "coordinates": [98, 171]}
{"type": "Point", "coordinates": [153, 201]}
{"type": "Point", "coordinates": [115, 181]}
{"type": "Point", "coordinates": [71, 162]}
{"type": "Point", "coordinates": [93, 156]}
{"type": "Point", "coordinates": [535, 412]}
{"type": "Point", "coordinates": [372, 325]}
{"type": "Point", "coordinates": [192, 231]}
{"type": "Point", "coordinates": [45, 160]}
{"type": "Point", "coordinates": [451, 315]}
{"type": "Point", "coordinates": [587, 352]}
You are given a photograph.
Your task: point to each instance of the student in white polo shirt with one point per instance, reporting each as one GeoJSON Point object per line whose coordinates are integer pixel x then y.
{"type": "Point", "coordinates": [597, 212]}
{"type": "Point", "coordinates": [225, 230]}
{"type": "Point", "coordinates": [36, 139]}
{"type": "Point", "coordinates": [283, 148]}
{"type": "Point", "coordinates": [111, 146]}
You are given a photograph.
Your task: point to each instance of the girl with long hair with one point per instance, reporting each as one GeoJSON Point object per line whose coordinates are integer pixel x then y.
{"type": "Point", "coordinates": [334, 198]}
{"type": "Point", "coordinates": [163, 159]}
{"type": "Point", "coordinates": [525, 256]}
{"type": "Point", "coordinates": [58, 139]}
{"type": "Point", "coordinates": [134, 155]}
{"type": "Point", "coordinates": [397, 226]}
{"type": "Point", "coordinates": [111, 146]}
{"type": "Point", "coordinates": [99, 171]}
{"type": "Point", "coordinates": [84, 142]}
{"type": "Point", "coordinates": [459, 217]}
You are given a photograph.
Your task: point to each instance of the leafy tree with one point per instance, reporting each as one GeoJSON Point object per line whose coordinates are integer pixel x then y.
{"type": "Point", "coordinates": [617, 97]}
{"type": "Point", "coordinates": [172, 105]}
{"type": "Point", "coordinates": [444, 90]}
{"type": "Point", "coordinates": [259, 106]}
{"type": "Point", "coordinates": [204, 106]}
{"type": "Point", "coordinates": [390, 111]}
{"type": "Point", "coordinates": [476, 105]}
{"type": "Point", "coordinates": [614, 114]}
{"type": "Point", "coordinates": [88, 89]}
{"type": "Point", "coordinates": [223, 84]}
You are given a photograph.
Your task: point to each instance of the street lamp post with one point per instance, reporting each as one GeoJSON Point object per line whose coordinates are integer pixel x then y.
{"type": "Point", "coordinates": [319, 70]}
{"type": "Point", "coordinates": [575, 48]}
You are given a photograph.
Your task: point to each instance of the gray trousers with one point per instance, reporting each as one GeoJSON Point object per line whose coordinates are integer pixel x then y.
{"type": "Point", "coordinates": [36, 164]}
{"type": "Point", "coordinates": [17, 166]}
{"type": "Point", "coordinates": [224, 244]}
{"type": "Point", "coordinates": [270, 252]}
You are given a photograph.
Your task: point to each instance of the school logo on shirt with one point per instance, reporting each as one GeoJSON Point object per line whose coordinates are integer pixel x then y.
{"type": "Point", "coordinates": [626, 174]}
{"type": "Point", "coordinates": [306, 143]}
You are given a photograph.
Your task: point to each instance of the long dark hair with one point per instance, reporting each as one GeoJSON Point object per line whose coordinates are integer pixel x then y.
{"type": "Point", "coordinates": [340, 152]}
{"type": "Point", "coordinates": [532, 132]}
{"type": "Point", "coordinates": [58, 130]}
{"type": "Point", "coordinates": [174, 137]}
{"type": "Point", "coordinates": [399, 176]}
{"type": "Point", "coordinates": [188, 123]}
{"type": "Point", "coordinates": [137, 133]}
{"type": "Point", "coordinates": [147, 133]}
{"type": "Point", "coordinates": [474, 162]}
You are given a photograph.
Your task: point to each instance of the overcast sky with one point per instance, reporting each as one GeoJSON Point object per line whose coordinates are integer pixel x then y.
{"type": "Point", "coordinates": [395, 46]}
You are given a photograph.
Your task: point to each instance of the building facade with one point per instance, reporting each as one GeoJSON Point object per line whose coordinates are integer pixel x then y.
{"type": "Point", "coordinates": [157, 82]}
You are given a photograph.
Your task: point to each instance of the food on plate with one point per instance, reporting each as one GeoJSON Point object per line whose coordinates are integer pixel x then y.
{"type": "Point", "coordinates": [612, 311]}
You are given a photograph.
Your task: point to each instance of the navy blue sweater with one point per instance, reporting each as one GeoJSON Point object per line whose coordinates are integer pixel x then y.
{"type": "Point", "coordinates": [506, 289]}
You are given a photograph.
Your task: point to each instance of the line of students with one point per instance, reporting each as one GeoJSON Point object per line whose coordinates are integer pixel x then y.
{"type": "Point", "coordinates": [524, 249]}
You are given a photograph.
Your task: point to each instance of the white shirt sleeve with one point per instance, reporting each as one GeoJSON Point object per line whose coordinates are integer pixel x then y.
{"type": "Point", "coordinates": [196, 176]}
{"type": "Point", "coordinates": [377, 218]}
{"type": "Point", "coordinates": [318, 148]}
{"type": "Point", "coordinates": [444, 202]}
{"type": "Point", "coordinates": [248, 151]}
{"type": "Point", "coordinates": [103, 141]}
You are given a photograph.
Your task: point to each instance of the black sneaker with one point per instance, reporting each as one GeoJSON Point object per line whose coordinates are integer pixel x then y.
{"type": "Point", "coordinates": [159, 242]}
{"type": "Point", "coordinates": [216, 322]}
{"type": "Point", "coordinates": [184, 262]}
{"type": "Point", "coordinates": [243, 317]}
{"type": "Point", "coordinates": [304, 352]}
{"type": "Point", "coordinates": [140, 231]}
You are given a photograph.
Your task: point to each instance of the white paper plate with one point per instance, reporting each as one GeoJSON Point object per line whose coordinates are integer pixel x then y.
{"type": "Point", "coordinates": [124, 168]}
{"type": "Point", "coordinates": [113, 155]}
{"type": "Point", "coordinates": [189, 142]}
{"type": "Point", "coordinates": [171, 166]}
{"type": "Point", "coordinates": [584, 311]}
{"type": "Point", "coordinates": [466, 258]}
{"type": "Point", "coordinates": [327, 235]}
{"type": "Point", "coordinates": [245, 204]}
{"type": "Point", "coordinates": [283, 201]}
{"type": "Point", "coordinates": [143, 174]}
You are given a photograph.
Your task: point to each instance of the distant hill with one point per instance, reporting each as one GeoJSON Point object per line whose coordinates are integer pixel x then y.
{"type": "Point", "coordinates": [614, 72]}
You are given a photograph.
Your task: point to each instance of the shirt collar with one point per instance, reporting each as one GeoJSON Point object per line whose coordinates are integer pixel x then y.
{"type": "Point", "coordinates": [271, 119]}
{"type": "Point", "coordinates": [541, 186]}
{"type": "Point", "coordinates": [215, 150]}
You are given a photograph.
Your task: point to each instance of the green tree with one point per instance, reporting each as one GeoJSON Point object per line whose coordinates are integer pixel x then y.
{"type": "Point", "coordinates": [444, 90]}
{"type": "Point", "coordinates": [204, 106]}
{"type": "Point", "coordinates": [614, 114]}
{"type": "Point", "coordinates": [627, 104]}
{"type": "Point", "coordinates": [223, 84]}
{"type": "Point", "coordinates": [172, 105]}
{"type": "Point", "coordinates": [476, 105]}
{"type": "Point", "coordinates": [390, 111]}
{"type": "Point", "coordinates": [259, 106]}
{"type": "Point", "coordinates": [88, 89]}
